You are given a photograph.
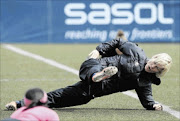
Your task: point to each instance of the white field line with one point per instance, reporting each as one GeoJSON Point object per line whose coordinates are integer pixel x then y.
{"type": "Point", "coordinates": [40, 58]}
{"type": "Point", "coordinates": [76, 72]}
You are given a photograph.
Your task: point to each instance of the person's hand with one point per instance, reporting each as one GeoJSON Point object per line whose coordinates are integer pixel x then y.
{"type": "Point", "coordinates": [118, 51]}
{"type": "Point", "coordinates": [158, 107]}
{"type": "Point", "coordinates": [94, 54]}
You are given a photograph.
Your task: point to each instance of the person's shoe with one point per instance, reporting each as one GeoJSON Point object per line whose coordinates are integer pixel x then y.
{"type": "Point", "coordinates": [105, 73]}
{"type": "Point", "coordinates": [11, 106]}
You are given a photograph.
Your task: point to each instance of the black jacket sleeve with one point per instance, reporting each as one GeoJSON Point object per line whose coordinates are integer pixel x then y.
{"type": "Point", "coordinates": [145, 96]}
{"type": "Point", "coordinates": [107, 49]}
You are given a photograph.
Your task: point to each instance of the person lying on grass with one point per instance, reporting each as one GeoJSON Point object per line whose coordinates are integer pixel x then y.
{"type": "Point", "coordinates": [105, 72]}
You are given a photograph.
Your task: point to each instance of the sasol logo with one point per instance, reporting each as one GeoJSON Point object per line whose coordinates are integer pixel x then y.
{"type": "Point", "coordinates": [117, 14]}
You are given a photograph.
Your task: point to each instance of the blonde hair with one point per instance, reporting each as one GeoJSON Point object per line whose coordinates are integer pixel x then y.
{"type": "Point", "coordinates": [165, 61]}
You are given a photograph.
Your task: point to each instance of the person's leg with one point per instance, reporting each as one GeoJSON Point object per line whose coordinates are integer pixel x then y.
{"type": "Point", "coordinates": [70, 96]}
{"type": "Point", "coordinates": [92, 70]}
{"type": "Point", "coordinates": [79, 93]}
{"type": "Point", "coordinates": [88, 68]}
{"type": "Point", "coordinates": [76, 94]}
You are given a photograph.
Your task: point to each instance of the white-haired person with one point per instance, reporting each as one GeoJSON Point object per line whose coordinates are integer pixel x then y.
{"type": "Point", "coordinates": [106, 72]}
{"type": "Point", "coordinates": [35, 107]}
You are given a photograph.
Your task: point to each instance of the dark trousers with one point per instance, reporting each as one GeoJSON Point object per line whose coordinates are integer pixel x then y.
{"type": "Point", "coordinates": [76, 94]}
{"type": "Point", "coordinates": [85, 90]}
{"type": "Point", "coordinates": [79, 93]}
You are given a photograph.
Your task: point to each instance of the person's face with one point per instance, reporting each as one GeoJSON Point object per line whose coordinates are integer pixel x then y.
{"type": "Point", "coordinates": [153, 67]}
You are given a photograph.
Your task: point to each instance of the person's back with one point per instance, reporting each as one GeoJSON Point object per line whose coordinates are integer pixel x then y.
{"type": "Point", "coordinates": [38, 113]}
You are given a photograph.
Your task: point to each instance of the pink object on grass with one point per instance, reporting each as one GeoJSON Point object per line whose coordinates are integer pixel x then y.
{"type": "Point", "coordinates": [38, 113]}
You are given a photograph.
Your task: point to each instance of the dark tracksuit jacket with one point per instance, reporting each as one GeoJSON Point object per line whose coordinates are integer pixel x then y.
{"type": "Point", "coordinates": [131, 75]}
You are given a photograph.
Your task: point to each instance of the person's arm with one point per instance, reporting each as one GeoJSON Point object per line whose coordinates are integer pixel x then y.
{"type": "Point", "coordinates": [127, 48]}
{"type": "Point", "coordinates": [146, 98]}
{"type": "Point", "coordinates": [108, 48]}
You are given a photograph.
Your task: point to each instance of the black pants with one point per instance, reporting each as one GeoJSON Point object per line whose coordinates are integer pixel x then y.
{"type": "Point", "coordinates": [76, 94]}
{"type": "Point", "coordinates": [79, 93]}
{"type": "Point", "coordinates": [85, 90]}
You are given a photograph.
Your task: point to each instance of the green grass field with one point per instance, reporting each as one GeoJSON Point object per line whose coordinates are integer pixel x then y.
{"type": "Point", "coordinates": [19, 73]}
